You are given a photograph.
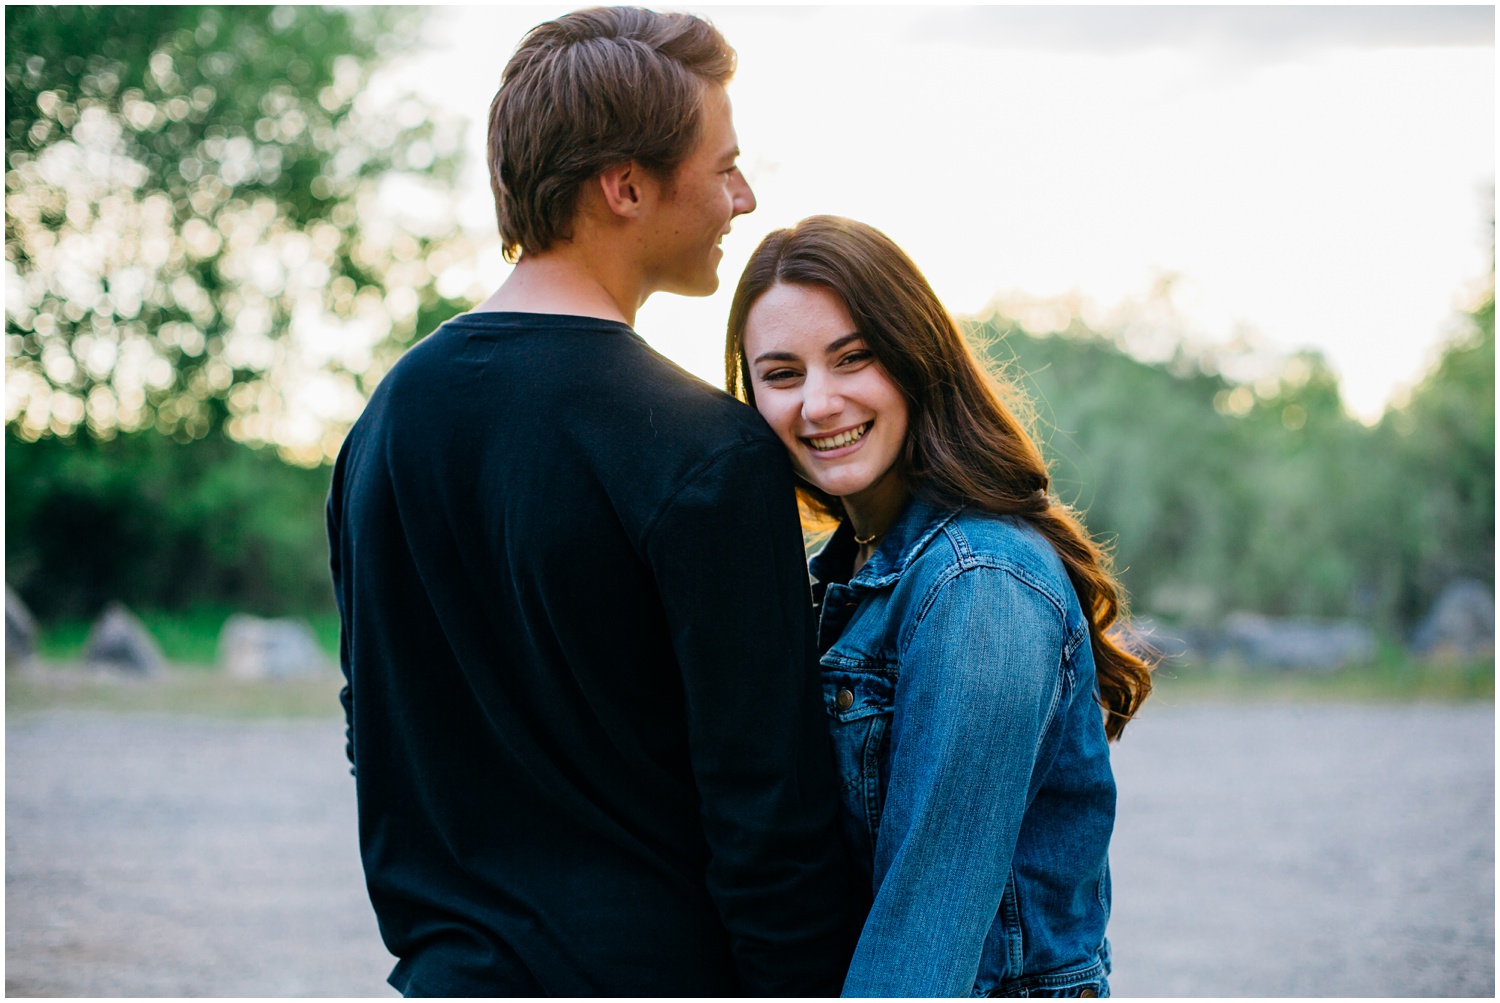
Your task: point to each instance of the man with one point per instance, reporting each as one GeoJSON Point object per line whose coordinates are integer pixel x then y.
{"type": "Point", "coordinates": [582, 698]}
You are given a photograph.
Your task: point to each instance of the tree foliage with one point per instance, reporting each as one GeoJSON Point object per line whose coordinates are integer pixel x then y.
{"type": "Point", "coordinates": [1442, 446]}
{"type": "Point", "coordinates": [183, 186]}
{"type": "Point", "coordinates": [1217, 495]}
{"type": "Point", "coordinates": [1266, 496]}
{"type": "Point", "coordinates": [201, 238]}
{"type": "Point", "coordinates": [162, 525]}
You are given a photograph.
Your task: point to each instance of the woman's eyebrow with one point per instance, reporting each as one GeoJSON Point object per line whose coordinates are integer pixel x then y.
{"type": "Point", "coordinates": [833, 346]}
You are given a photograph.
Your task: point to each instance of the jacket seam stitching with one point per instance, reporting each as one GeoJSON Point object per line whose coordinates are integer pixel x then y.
{"type": "Point", "coordinates": [1058, 980]}
{"type": "Point", "coordinates": [963, 566]}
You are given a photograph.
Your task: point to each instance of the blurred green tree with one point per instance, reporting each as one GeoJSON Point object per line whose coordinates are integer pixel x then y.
{"type": "Point", "coordinates": [1218, 495]}
{"type": "Point", "coordinates": [182, 191]}
{"type": "Point", "coordinates": [1148, 451]}
{"type": "Point", "coordinates": [162, 525]}
{"type": "Point", "coordinates": [1443, 441]}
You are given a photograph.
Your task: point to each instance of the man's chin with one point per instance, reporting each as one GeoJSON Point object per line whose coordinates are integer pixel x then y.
{"type": "Point", "coordinates": [705, 286]}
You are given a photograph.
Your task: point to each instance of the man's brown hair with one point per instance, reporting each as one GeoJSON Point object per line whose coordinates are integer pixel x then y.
{"type": "Point", "coordinates": [590, 90]}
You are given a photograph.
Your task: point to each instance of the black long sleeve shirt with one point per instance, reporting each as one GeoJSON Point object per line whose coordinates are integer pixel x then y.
{"type": "Point", "coordinates": [582, 697]}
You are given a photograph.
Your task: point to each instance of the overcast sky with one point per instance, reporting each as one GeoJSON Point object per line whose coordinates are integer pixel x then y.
{"type": "Point", "coordinates": [1307, 176]}
{"type": "Point", "coordinates": [1262, 33]}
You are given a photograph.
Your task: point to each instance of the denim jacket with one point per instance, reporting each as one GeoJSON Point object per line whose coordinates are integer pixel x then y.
{"type": "Point", "coordinates": [977, 793]}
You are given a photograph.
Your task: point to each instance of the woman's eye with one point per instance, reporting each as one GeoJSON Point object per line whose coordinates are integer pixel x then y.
{"type": "Point", "coordinates": [778, 376]}
{"type": "Point", "coordinates": [856, 357]}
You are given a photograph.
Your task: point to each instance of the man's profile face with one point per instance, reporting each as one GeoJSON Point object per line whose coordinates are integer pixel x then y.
{"type": "Point", "coordinates": [696, 206]}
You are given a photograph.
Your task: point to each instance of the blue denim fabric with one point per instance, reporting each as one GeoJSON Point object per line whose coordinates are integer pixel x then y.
{"type": "Point", "coordinates": [977, 792]}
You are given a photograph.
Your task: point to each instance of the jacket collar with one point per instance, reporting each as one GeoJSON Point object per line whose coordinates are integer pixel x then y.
{"type": "Point", "coordinates": [908, 536]}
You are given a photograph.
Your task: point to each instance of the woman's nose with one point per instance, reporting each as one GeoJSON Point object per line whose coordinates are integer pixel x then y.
{"type": "Point", "coordinates": [820, 400]}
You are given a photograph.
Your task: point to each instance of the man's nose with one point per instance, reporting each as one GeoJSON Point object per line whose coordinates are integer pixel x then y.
{"type": "Point", "coordinates": [744, 198]}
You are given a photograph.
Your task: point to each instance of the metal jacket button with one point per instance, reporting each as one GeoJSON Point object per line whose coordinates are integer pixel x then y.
{"type": "Point", "coordinates": [844, 700]}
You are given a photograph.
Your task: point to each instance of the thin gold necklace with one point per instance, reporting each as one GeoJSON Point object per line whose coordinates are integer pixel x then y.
{"type": "Point", "coordinates": [865, 541]}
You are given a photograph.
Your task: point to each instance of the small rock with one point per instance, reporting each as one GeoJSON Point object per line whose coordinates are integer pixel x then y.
{"type": "Point", "coordinates": [1460, 625]}
{"type": "Point", "coordinates": [20, 630]}
{"type": "Point", "coordinates": [118, 640]}
{"type": "Point", "coordinates": [254, 648]}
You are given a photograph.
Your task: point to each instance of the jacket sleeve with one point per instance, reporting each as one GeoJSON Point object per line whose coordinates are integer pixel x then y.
{"type": "Point", "coordinates": [728, 559]}
{"type": "Point", "coordinates": [979, 685]}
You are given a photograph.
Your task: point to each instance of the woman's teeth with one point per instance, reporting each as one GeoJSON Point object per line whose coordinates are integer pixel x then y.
{"type": "Point", "coordinates": [842, 439]}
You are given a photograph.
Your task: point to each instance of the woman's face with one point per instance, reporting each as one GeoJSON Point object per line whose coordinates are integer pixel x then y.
{"type": "Point", "coordinates": [821, 390]}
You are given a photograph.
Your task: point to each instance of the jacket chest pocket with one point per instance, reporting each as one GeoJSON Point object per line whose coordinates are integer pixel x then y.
{"type": "Point", "coordinates": [859, 705]}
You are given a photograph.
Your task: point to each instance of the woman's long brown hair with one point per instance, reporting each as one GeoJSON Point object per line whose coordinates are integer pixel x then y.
{"type": "Point", "coordinates": [964, 445]}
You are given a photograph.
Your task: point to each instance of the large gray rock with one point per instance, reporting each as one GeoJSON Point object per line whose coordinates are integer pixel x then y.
{"type": "Point", "coordinates": [20, 630]}
{"type": "Point", "coordinates": [1460, 625]}
{"type": "Point", "coordinates": [119, 641]}
{"type": "Point", "coordinates": [254, 648]}
{"type": "Point", "coordinates": [1273, 642]}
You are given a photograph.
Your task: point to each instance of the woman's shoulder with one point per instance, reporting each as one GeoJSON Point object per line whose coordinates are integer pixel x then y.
{"type": "Point", "coordinates": [974, 539]}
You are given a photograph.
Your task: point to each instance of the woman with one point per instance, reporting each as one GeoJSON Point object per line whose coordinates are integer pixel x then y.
{"type": "Point", "coordinates": [962, 627]}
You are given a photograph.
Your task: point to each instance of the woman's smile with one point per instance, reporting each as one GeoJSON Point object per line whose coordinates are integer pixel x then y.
{"type": "Point", "coordinates": [838, 443]}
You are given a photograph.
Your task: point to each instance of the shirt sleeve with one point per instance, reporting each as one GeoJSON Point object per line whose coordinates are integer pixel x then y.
{"type": "Point", "coordinates": [979, 684]}
{"type": "Point", "coordinates": [331, 514]}
{"type": "Point", "coordinates": [728, 560]}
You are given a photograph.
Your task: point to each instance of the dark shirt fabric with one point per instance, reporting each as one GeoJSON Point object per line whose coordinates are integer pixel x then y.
{"type": "Point", "coordinates": [583, 703]}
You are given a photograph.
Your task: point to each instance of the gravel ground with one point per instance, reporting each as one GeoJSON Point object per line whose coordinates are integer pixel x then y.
{"type": "Point", "coordinates": [1262, 850]}
{"type": "Point", "coordinates": [175, 856]}
{"type": "Point", "coordinates": [1305, 851]}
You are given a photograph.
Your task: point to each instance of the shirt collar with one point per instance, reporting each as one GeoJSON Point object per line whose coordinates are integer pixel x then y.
{"type": "Point", "coordinates": [917, 524]}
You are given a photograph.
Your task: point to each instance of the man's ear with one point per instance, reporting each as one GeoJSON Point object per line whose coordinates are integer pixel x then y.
{"type": "Point", "coordinates": [627, 189]}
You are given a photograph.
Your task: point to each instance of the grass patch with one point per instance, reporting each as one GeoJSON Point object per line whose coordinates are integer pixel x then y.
{"type": "Point", "coordinates": [63, 640]}
{"type": "Point", "coordinates": [1392, 677]}
{"type": "Point", "coordinates": [189, 638]}
{"type": "Point", "coordinates": [194, 686]}
{"type": "Point", "coordinates": [178, 690]}
{"type": "Point", "coordinates": [326, 627]}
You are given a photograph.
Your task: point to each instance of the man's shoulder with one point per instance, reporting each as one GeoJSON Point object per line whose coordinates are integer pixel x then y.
{"type": "Point", "coordinates": [579, 388]}
{"type": "Point", "coordinates": [709, 416]}
{"type": "Point", "coordinates": [631, 380]}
